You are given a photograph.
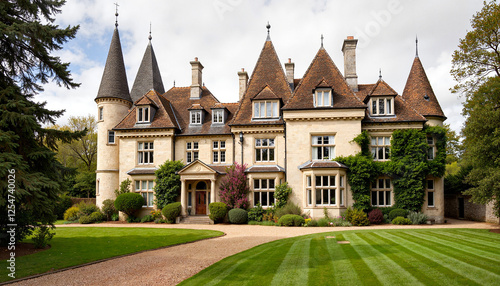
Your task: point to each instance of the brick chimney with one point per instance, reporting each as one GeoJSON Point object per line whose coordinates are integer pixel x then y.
{"type": "Point", "coordinates": [243, 76]}
{"type": "Point", "coordinates": [289, 67]}
{"type": "Point", "coordinates": [349, 50]}
{"type": "Point", "coordinates": [196, 68]}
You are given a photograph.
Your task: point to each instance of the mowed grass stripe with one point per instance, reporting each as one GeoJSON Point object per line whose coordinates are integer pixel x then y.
{"type": "Point", "coordinates": [433, 272]}
{"type": "Point", "coordinates": [320, 262]}
{"type": "Point", "coordinates": [387, 272]}
{"type": "Point", "coordinates": [457, 251]}
{"type": "Point", "coordinates": [482, 235]}
{"type": "Point", "coordinates": [294, 269]}
{"type": "Point", "coordinates": [344, 266]}
{"type": "Point", "coordinates": [358, 264]}
{"type": "Point", "coordinates": [450, 239]}
{"type": "Point", "coordinates": [469, 239]}
{"type": "Point", "coordinates": [479, 275]}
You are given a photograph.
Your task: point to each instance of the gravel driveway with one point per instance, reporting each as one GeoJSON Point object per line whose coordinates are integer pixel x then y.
{"type": "Point", "coordinates": [172, 265]}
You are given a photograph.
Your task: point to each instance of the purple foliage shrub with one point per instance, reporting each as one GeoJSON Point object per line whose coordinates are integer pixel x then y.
{"type": "Point", "coordinates": [376, 216]}
{"type": "Point", "coordinates": [234, 188]}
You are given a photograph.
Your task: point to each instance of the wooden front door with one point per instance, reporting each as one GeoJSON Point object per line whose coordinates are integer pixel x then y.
{"type": "Point", "coordinates": [201, 203]}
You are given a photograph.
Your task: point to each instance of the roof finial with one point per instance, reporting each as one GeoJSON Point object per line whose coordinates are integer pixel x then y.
{"type": "Point", "coordinates": [321, 40]}
{"type": "Point", "coordinates": [379, 74]}
{"type": "Point", "coordinates": [416, 46]}
{"type": "Point", "coordinates": [116, 15]}
{"type": "Point", "coordinates": [174, 83]}
{"type": "Point", "coordinates": [268, 28]}
{"type": "Point", "coordinates": [150, 32]}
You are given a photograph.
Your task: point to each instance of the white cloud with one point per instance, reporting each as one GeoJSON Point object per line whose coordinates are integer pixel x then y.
{"type": "Point", "coordinates": [227, 35]}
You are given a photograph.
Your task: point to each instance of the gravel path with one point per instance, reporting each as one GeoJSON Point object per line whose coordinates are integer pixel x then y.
{"type": "Point", "coordinates": [172, 265]}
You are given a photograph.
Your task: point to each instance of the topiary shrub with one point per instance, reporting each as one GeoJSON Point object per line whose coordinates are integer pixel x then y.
{"type": "Point", "coordinates": [256, 213]}
{"type": "Point", "coordinates": [147, 218]}
{"type": "Point", "coordinates": [129, 203]}
{"type": "Point", "coordinates": [171, 211]}
{"type": "Point", "coordinates": [97, 216]}
{"type": "Point", "coordinates": [86, 209]}
{"type": "Point", "coordinates": [62, 205]}
{"type": "Point", "coordinates": [417, 217]}
{"type": "Point", "coordinates": [397, 212]}
{"type": "Point", "coordinates": [238, 216]}
{"type": "Point", "coordinates": [289, 208]}
{"type": "Point", "coordinates": [71, 214]}
{"type": "Point", "coordinates": [108, 208]}
{"type": "Point", "coordinates": [85, 219]}
{"type": "Point", "coordinates": [218, 211]}
{"type": "Point", "coordinates": [401, 221]}
{"type": "Point", "coordinates": [291, 220]}
{"type": "Point", "coordinates": [376, 216]}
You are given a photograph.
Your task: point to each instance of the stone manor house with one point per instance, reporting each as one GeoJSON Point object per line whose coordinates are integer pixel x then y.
{"type": "Point", "coordinates": [283, 128]}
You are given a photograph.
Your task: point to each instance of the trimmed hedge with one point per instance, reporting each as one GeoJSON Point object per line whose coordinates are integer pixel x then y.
{"type": "Point", "coordinates": [129, 203]}
{"type": "Point", "coordinates": [397, 212]}
{"type": "Point", "coordinates": [238, 216]}
{"type": "Point", "coordinates": [171, 211]}
{"type": "Point", "coordinates": [218, 211]}
{"type": "Point", "coordinates": [401, 221]}
{"type": "Point", "coordinates": [291, 220]}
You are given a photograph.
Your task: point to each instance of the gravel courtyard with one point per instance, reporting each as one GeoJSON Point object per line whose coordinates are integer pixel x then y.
{"type": "Point", "coordinates": [172, 265]}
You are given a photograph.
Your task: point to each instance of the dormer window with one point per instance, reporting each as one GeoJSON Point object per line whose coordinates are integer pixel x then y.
{"type": "Point", "coordinates": [143, 114]}
{"type": "Point", "coordinates": [323, 97]}
{"type": "Point", "coordinates": [382, 106]}
{"type": "Point", "coordinates": [218, 116]}
{"type": "Point", "coordinates": [266, 109]}
{"type": "Point", "coordinates": [196, 118]}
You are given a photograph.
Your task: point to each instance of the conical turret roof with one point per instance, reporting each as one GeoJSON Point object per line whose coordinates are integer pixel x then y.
{"type": "Point", "coordinates": [148, 77]}
{"type": "Point", "coordinates": [419, 94]}
{"type": "Point", "coordinates": [114, 79]}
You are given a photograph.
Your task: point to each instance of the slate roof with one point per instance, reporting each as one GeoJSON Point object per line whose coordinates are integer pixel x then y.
{"type": "Point", "coordinates": [268, 73]}
{"type": "Point", "coordinates": [265, 169]}
{"type": "Point", "coordinates": [419, 94]}
{"type": "Point", "coordinates": [142, 171]}
{"type": "Point", "coordinates": [322, 164]}
{"type": "Point", "coordinates": [322, 73]}
{"type": "Point", "coordinates": [148, 77]}
{"type": "Point", "coordinates": [181, 103]}
{"type": "Point", "coordinates": [164, 116]}
{"type": "Point", "coordinates": [114, 78]}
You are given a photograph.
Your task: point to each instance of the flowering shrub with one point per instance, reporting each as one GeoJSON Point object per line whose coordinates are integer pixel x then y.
{"type": "Point", "coordinates": [234, 188]}
{"type": "Point", "coordinates": [156, 214]}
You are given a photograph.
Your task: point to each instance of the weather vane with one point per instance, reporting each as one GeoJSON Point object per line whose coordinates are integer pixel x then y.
{"type": "Point", "coordinates": [116, 15]}
{"type": "Point", "coordinates": [321, 40]}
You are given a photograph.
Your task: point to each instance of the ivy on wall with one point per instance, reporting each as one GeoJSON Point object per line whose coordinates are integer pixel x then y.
{"type": "Point", "coordinates": [408, 166]}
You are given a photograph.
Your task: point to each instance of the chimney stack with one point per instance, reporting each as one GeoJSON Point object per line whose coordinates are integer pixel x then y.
{"type": "Point", "coordinates": [349, 50]}
{"type": "Point", "coordinates": [290, 67]}
{"type": "Point", "coordinates": [196, 68]}
{"type": "Point", "coordinates": [243, 76]}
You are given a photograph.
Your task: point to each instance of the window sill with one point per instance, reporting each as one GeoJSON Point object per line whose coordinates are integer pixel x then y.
{"type": "Point", "coordinates": [111, 144]}
{"type": "Point", "coordinates": [324, 206]}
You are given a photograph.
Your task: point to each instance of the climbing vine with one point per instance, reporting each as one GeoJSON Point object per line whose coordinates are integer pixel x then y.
{"type": "Point", "coordinates": [408, 166]}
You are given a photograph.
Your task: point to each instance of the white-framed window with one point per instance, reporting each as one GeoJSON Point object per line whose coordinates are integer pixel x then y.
{"type": "Point", "coordinates": [145, 153]}
{"type": "Point", "coordinates": [341, 191]}
{"type": "Point", "coordinates": [431, 151]}
{"type": "Point", "coordinates": [309, 190]}
{"type": "Point", "coordinates": [326, 191]}
{"type": "Point", "coordinates": [266, 109]}
{"type": "Point", "coordinates": [430, 193]}
{"type": "Point", "coordinates": [145, 188]}
{"type": "Point", "coordinates": [323, 147]}
{"type": "Point", "coordinates": [191, 151]}
{"type": "Point", "coordinates": [380, 147]}
{"type": "Point", "coordinates": [101, 113]}
{"type": "Point", "coordinates": [111, 137]}
{"type": "Point", "coordinates": [218, 152]}
{"type": "Point", "coordinates": [195, 117]}
{"type": "Point", "coordinates": [382, 106]}
{"type": "Point", "coordinates": [264, 150]}
{"type": "Point", "coordinates": [218, 116]}
{"type": "Point", "coordinates": [381, 192]}
{"type": "Point", "coordinates": [263, 192]}
{"type": "Point", "coordinates": [323, 98]}
{"type": "Point", "coordinates": [143, 114]}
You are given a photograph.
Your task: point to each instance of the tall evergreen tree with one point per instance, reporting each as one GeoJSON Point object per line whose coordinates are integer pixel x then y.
{"type": "Point", "coordinates": [27, 39]}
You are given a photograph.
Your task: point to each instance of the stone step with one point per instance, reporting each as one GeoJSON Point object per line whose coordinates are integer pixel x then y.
{"type": "Point", "coordinates": [196, 220]}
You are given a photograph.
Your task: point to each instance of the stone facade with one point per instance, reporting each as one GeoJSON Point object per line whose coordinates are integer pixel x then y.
{"type": "Point", "coordinates": [282, 128]}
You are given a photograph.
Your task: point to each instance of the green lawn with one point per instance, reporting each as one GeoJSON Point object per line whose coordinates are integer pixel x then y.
{"type": "Point", "coordinates": [373, 257]}
{"type": "Point", "coordinates": [77, 245]}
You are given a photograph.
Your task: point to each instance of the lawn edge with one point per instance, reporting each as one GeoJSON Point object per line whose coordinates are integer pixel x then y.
{"type": "Point", "coordinates": [102, 260]}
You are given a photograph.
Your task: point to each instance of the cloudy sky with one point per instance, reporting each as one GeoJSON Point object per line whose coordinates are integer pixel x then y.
{"type": "Point", "coordinates": [227, 35]}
